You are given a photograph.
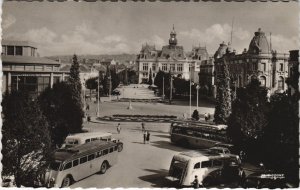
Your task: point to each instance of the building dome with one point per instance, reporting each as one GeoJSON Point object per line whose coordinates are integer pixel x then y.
{"type": "Point", "coordinates": [259, 43]}
{"type": "Point", "coordinates": [221, 51]}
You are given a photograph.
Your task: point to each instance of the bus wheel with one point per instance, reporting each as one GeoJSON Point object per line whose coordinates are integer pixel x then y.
{"type": "Point", "coordinates": [120, 147]}
{"type": "Point", "coordinates": [66, 182]}
{"type": "Point", "coordinates": [103, 168]}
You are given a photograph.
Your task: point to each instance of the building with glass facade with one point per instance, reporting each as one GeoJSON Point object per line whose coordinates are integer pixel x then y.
{"type": "Point", "coordinates": [23, 69]}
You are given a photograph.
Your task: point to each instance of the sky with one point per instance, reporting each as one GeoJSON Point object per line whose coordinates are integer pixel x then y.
{"type": "Point", "coordinates": [61, 28]}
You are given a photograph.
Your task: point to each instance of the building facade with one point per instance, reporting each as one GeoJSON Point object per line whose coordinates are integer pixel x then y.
{"type": "Point", "coordinates": [259, 61]}
{"type": "Point", "coordinates": [23, 69]}
{"type": "Point", "coordinates": [207, 78]}
{"type": "Point", "coordinates": [293, 72]}
{"type": "Point", "coordinates": [171, 58]}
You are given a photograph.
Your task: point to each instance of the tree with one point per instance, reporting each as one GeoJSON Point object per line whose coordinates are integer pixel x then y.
{"type": "Point", "coordinates": [223, 99]}
{"type": "Point", "coordinates": [158, 81]}
{"type": "Point", "coordinates": [91, 84]}
{"type": "Point", "coordinates": [150, 82]}
{"type": "Point", "coordinates": [248, 119]}
{"type": "Point", "coordinates": [111, 80]}
{"type": "Point", "coordinates": [25, 138]}
{"type": "Point", "coordinates": [281, 140]}
{"type": "Point", "coordinates": [195, 115]}
{"type": "Point", "coordinates": [63, 114]}
{"type": "Point", "coordinates": [76, 98]}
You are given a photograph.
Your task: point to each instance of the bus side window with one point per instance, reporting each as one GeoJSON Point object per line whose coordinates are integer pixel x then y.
{"type": "Point", "coordinates": [206, 164]}
{"type": "Point", "coordinates": [83, 160]}
{"type": "Point", "coordinates": [87, 140]}
{"type": "Point", "coordinates": [105, 151]}
{"type": "Point", "coordinates": [98, 154]}
{"type": "Point", "coordinates": [68, 165]}
{"type": "Point", "coordinates": [197, 165]}
{"type": "Point", "coordinates": [75, 162]}
{"type": "Point", "coordinates": [91, 157]}
{"type": "Point", "coordinates": [111, 149]}
{"type": "Point", "coordinates": [93, 139]}
{"type": "Point", "coordinates": [115, 148]}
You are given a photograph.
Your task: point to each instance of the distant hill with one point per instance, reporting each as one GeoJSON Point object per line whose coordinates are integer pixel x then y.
{"type": "Point", "coordinates": [89, 59]}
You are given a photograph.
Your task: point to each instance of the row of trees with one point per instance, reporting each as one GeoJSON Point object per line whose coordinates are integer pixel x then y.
{"type": "Point", "coordinates": [180, 86]}
{"type": "Point", "coordinates": [110, 80]}
{"type": "Point", "coordinates": [33, 128]}
{"type": "Point", "coordinates": [266, 128]}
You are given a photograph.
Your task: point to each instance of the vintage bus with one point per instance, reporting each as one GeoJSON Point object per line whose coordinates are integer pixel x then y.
{"type": "Point", "coordinates": [75, 163]}
{"type": "Point", "coordinates": [209, 168]}
{"type": "Point", "coordinates": [198, 136]}
{"type": "Point", "coordinates": [81, 138]}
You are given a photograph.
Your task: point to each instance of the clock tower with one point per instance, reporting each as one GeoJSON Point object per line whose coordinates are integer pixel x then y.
{"type": "Point", "coordinates": [173, 40]}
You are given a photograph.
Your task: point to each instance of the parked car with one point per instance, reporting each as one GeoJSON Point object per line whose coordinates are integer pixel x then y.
{"type": "Point", "coordinates": [230, 173]}
{"type": "Point", "coordinates": [265, 179]}
{"type": "Point", "coordinates": [219, 150]}
{"type": "Point", "coordinates": [116, 93]}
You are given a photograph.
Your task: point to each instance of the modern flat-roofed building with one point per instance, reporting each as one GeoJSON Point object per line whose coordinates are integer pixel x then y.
{"type": "Point", "coordinates": [23, 69]}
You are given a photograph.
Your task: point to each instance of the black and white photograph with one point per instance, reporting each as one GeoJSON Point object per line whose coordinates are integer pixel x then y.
{"type": "Point", "coordinates": [140, 94]}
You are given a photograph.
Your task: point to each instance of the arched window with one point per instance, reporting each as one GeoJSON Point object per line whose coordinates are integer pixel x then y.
{"type": "Point", "coordinates": [262, 80]}
{"type": "Point", "coordinates": [280, 83]}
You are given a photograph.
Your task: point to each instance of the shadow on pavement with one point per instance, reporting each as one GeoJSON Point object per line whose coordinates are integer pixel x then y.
{"type": "Point", "coordinates": [166, 145]}
{"type": "Point", "coordinates": [158, 179]}
{"type": "Point", "coordinates": [151, 131]}
{"type": "Point", "coordinates": [162, 136]}
{"type": "Point", "coordinates": [138, 142]}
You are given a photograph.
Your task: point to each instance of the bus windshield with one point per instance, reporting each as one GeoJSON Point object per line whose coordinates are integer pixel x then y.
{"type": "Point", "coordinates": [55, 165]}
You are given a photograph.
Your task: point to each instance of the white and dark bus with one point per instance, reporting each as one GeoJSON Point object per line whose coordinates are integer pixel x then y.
{"type": "Point", "coordinates": [198, 136]}
{"type": "Point", "coordinates": [78, 162]}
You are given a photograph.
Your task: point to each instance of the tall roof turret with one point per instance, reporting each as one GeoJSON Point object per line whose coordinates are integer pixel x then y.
{"type": "Point", "coordinates": [259, 43]}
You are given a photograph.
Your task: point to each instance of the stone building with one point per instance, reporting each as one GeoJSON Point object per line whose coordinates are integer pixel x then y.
{"type": "Point", "coordinates": [207, 78]}
{"type": "Point", "coordinates": [171, 58]}
{"type": "Point", "coordinates": [260, 61]}
{"type": "Point", "coordinates": [293, 84]}
{"type": "Point", "coordinates": [23, 69]}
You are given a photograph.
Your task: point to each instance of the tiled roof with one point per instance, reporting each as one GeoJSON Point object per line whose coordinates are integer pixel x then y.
{"type": "Point", "coordinates": [27, 60]}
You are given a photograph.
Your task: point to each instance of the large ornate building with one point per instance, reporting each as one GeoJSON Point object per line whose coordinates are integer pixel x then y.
{"type": "Point", "coordinates": [259, 61]}
{"type": "Point", "coordinates": [172, 58]}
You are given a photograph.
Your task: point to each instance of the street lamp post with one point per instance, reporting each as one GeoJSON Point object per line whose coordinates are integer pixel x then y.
{"type": "Point", "coordinates": [190, 97]}
{"type": "Point", "coordinates": [171, 86]}
{"type": "Point", "coordinates": [98, 97]}
{"type": "Point", "coordinates": [197, 87]}
{"type": "Point", "coordinates": [163, 87]}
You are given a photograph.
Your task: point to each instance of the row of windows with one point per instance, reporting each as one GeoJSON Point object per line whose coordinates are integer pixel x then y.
{"type": "Point", "coordinates": [145, 67]}
{"type": "Point", "coordinates": [16, 50]}
{"type": "Point", "coordinates": [90, 157]}
{"type": "Point", "coordinates": [208, 164]}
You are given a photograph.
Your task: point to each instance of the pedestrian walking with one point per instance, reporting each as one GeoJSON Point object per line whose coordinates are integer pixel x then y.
{"type": "Point", "coordinates": [87, 107]}
{"type": "Point", "coordinates": [143, 127]}
{"type": "Point", "coordinates": [147, 137]}
{"type": "Point", "coordinates": [195, 183]}
{"type": "Point", "coordinates": [208, 116]}
{"type": "Point", "coordinates": [144, 135]}
{"type": "Point", "coordinates": [205, 116]}
{"type": "Point", "coordinates": [119, 128]}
